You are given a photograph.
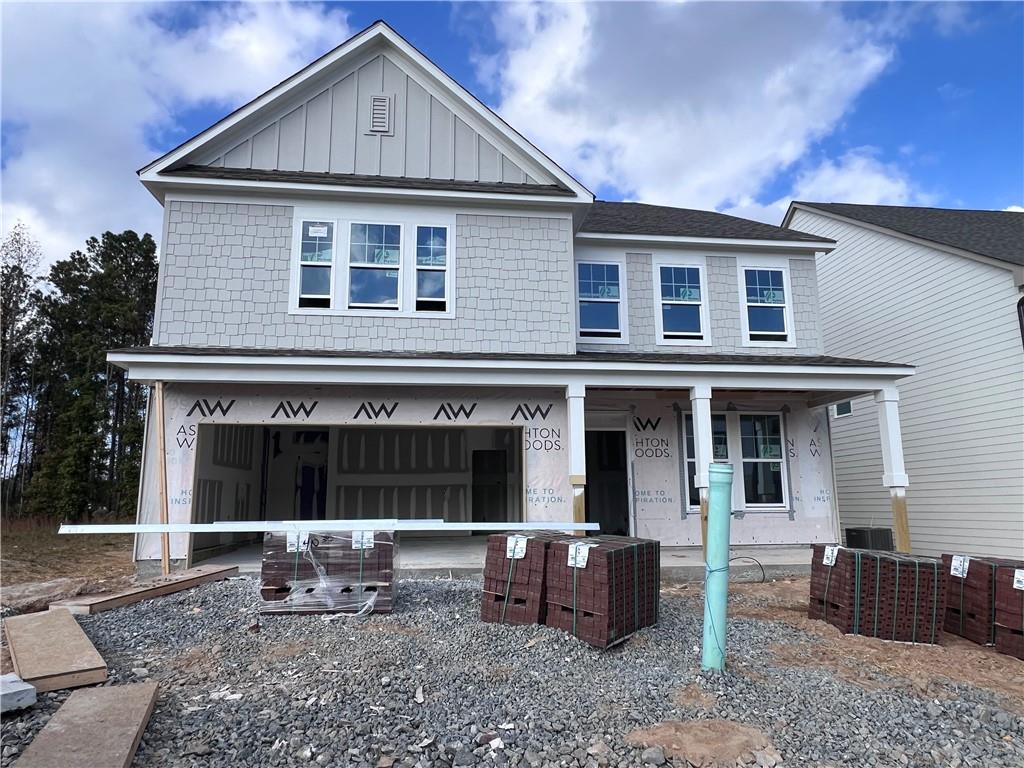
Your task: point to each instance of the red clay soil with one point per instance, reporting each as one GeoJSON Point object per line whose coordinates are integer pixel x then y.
{"type": "Point", "coordinates": [705, 743]}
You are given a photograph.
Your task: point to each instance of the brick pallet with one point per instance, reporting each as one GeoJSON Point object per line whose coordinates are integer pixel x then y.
{"type": "Point", "coordinates": [971, 602]}
{"type": "Point", "coordinates": [609, 599]}
{"type": "Point", "coordinates": [513, 590]}
{"type": "Point", "coordinates": [1009, 614]}
{"type": "Point", "coordinates": [879, 594]}
{"type": "Point", "coordinates": [326, 574]}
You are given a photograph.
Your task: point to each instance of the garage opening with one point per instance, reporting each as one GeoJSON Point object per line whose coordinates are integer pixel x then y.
{"type": "Point", "coordinates": [253, 472]}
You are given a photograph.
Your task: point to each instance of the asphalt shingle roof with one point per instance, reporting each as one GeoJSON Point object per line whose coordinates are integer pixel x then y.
{"type": "Point", "coordinates": [643, 219]}
{"type": "Point", "coordinates": [996, 234]}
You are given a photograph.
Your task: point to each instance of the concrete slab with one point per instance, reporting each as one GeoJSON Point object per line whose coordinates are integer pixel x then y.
{"type": "Point", "coordinates": [15, 693]}
{"type": "Point", "coordinates": [94, 727]}
{"type": "Point", "coordinates": [463, 556]}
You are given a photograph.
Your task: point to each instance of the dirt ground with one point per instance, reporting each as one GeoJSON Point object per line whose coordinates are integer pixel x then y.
{"type": "Point", "coordinates": [860, 659]}
{"type": "Point", "coordinates": [32, 550]}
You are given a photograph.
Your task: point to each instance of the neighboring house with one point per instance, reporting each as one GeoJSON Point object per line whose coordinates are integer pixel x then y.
{"type": "Point", "coordinates": [376, 299]}
{"type": "Point", "coordinates": [941, 288]}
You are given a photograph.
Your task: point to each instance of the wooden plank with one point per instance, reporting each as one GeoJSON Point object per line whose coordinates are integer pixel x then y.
{"type": "Point", "coordinates": [165, 585]}
{"type": "Point", "coordinates": [50, 651]}
{"type": "Point", "coordinates": [94, 727]}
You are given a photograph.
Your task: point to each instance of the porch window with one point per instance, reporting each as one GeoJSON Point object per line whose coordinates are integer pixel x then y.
{"type": "Point", "coordinates": [681, 299]}
{"type": "Point", "coordinates": [719, 450]}
{"type": "Point", "coordinates": [316, 256]}
{"type": "Point", "coordinates": [844, 408]}
{"type": "Point", "coordinates": [765, 294]}
{"type": "Point", "coordinates": [431, 269]}
{"type": "Point", "coordinates": [761, 445]}
{"type": "Point", "coordinates": [375, 259]}
{"type": "Point", "coordinates": [600, 298]}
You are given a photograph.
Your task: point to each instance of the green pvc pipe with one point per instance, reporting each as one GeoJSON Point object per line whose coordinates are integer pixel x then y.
{"type": "Point", "coordinates": [716, 584]}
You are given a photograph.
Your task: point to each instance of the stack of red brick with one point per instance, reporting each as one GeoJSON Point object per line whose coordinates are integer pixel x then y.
{"type": "Point", "coordinates": [345, 572]}
{"type": "Point", "coordinates": [983, 605]}
{"type": "Point", "coordinates": [879, 594]}
{"type": "Point", "coordinates": [609, 592]}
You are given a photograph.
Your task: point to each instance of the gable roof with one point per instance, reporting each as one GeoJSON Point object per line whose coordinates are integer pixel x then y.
{"type": "Point", "coordinates": [996, 234]}
{"type": "Point", "coordinates": [641, 219]}
{"type": "Point", "coordinates": [514, 154]}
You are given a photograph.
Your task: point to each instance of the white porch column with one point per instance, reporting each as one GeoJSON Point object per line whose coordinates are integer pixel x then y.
{"type": "Point", "coordinates": [894, 474]}
{"type": "Point", "coordinates": [575, 395]}
{"type": "Point", "coordinates": [700, 402]}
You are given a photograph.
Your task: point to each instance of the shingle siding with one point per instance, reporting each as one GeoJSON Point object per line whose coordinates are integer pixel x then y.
{"type": "Point", "coordinates": [962, 413]}
{"type": "Point", "coordinates": [724, 309]}
{"type": "Point", "coordinates": [225, 281]}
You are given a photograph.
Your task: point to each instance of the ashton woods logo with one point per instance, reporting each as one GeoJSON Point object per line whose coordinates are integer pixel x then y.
{"type": "Point", "coordinates": [375, 410]}
{"type": "Point", "coordinates": [453, 412]}
{"type": "Point", "coordinates": [646, 425]}
{"type": "Point", "coordinates": [530, 412]}
{"type": "Point", "coordinates": [207, 409]}
{"type": "Point", "coordinates": [291, 410]}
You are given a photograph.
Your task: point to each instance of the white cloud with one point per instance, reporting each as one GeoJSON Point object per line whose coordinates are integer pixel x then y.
{"type": "Point", "coordinates": [856, 177]}
{"type": "Point", "coordinates": [689, 104]}
{"type": "Point", "coordinates": [85, 85]}
{"type": "Point", "coordinates": [1014, 208]}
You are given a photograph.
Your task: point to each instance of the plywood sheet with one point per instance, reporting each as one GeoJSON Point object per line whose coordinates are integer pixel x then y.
{"type": "Point", "coordinates": [165, 585]}
{"type": "Point", "coordinates": [94, 727]}
{"type": "Point", "coordinates": [50, 651]}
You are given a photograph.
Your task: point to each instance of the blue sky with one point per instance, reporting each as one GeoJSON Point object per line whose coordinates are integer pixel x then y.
{"type": "Point", "coordinates": [737, 107]}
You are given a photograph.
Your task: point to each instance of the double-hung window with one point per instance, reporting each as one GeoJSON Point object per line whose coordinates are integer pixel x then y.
{"type": "Point", "coordinates": [598, 286]}
{"type": "Point", "coordinates": [316, 255]}
{"type": "Point", "coordinates": [375, 266]}
{"type": "Point", "coordinates": [431, 269]}
{"type": "Point", "coordinates": [766, 308]}
{"type": "Point", "coordinates": [762, 448]}
{"type": "Point", "coordinates": [680, 294]}
{"type": "Point", "coordinates": [719, 450]}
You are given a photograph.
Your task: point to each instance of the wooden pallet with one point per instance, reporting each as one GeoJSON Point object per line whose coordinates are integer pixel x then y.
{"type": "Point", "coordinates": [50, 651]}
{"type": "Point", "coordinates": [94, 727]}
{"type": "Point", "coordinates": [165, 585]}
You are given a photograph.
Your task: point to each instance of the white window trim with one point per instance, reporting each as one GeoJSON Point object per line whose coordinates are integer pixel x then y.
{"type": "Point", "coordinates": [342, 216]}
{"type": "Point", "coordinates": [780, 264]}
{"type": "Point", "coordinates": [623, 300]}
{"type": "Point", "coordinates": [700, 264]}
{"type": "Point", "coordinates": [732, 427]}
{"type": "Point", "coordinates": [417, 267]}
{"type": "Point", "coordinates": [837, 415]}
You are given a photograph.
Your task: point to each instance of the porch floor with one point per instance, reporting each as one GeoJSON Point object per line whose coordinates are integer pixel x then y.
{"type": "Point", "coordinates": [460, 556]}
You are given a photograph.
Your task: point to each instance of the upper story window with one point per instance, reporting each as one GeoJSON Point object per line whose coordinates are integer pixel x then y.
{"type": "Point", "coordinates": [375, 266]}
{"type": "Point", "coordinates": [766, 317]}
{"type": "Point", "coordinates": [844, 408]}
{"type": "Point", "coordinates": [431, 269]}
{"type": "Point", "coordinates": [681, 313]}
{"type": "Point", "coordinates": [397, 267]}
{"type": "Point", "coordinates": [316, 254]}
{"type": "Point", "coordinates": [599, 290]}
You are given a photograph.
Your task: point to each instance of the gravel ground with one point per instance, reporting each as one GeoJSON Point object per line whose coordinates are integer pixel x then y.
{"type": "Point", "coordinates": [432, 685]}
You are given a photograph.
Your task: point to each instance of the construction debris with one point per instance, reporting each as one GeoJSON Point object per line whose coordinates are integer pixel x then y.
{"type": "Point", "coordinates": [50, 651]}
{"type": "Point", "coordinates": [344, 572]}
{"type": "Point", "coordinates": [15, 693]}
{"type": "Point", "coordinates": [165, 585]}
{"type": "Point", "coordinates": [94, 727]}
{"type": "Point", "coordinates": [878, 594]}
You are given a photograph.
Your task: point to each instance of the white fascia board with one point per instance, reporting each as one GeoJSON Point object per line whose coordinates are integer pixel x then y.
{"type": "Point", "coordinates": [240, 369]}
{"type": "Point", "coordinates": [1015, 269]}
{"type": "Point", "coordinates": [722, 242]}
{"type": "Point", "coordinates": [322, 526]}
{"type": "Point", "coordinates": [167, 185]}
{"type": "Point", "coordinates": [371, 35]}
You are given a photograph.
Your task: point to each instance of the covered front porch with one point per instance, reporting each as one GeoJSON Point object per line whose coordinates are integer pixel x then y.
{"type": "Point", "coordinates": [618, 438]}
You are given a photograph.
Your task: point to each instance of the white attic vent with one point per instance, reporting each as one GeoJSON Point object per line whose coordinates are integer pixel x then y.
{"type": "Point", "coordinates": [380, 113]}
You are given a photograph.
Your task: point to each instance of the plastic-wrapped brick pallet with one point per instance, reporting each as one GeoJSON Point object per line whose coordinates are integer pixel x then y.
{"type": "Point", "coordinates": [878, 594]}
{"type": "Point", "coordinates": [1009, 617]}
{"type": "Point", "coordinates": [971, 588]}
{"type": "Point", "coordinates": [343, 572]}
{"type": "Point", "coordinates": [514, 568]}
{"type": "Point", "coordinates": [603, 589]}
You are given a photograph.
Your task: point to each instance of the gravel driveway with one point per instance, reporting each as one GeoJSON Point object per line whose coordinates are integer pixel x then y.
{"type": "Point", "coordinates": [432, 685]}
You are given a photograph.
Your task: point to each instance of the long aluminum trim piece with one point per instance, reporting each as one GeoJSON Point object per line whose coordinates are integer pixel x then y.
{"type": "Point", "coordinates": [259, 526]}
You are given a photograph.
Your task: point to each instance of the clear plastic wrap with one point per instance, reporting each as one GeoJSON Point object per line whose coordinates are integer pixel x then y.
{"type": "Point", "coordinates": [351, 572]}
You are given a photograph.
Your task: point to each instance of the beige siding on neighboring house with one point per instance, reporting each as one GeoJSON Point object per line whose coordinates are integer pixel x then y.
{"type": "Point", "coordinates": [962, 413]}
